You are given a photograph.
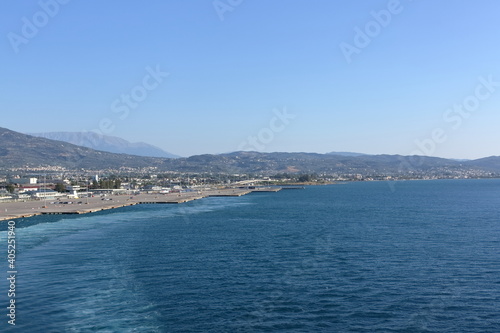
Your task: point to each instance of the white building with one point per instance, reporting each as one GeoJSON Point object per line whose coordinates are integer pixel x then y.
{"type": "Point", "coordinates": [25, 181]}
{"type": "Point", "coordinates": [73, 191]}
{"type": "Point", "coordinates": [45, 194]}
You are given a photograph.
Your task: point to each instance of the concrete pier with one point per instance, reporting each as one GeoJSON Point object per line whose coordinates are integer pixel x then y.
{"type": "Point", "coordinates": [267, 189]}
{"type": "Point", "coordinates": [15, 210]}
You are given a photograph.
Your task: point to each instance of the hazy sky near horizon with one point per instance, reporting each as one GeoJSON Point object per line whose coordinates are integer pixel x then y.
{"type": "Point", "coordinates": [203, 76]}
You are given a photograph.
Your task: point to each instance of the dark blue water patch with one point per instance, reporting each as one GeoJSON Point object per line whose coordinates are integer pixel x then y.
{"type": "Point", "coordinates": [53, 218]}
{"type": "Point", "coordinates": [362, 257]}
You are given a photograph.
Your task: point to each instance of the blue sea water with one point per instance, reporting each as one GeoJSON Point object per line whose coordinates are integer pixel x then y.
{"type": "Point", "coordinates": [414, 256]}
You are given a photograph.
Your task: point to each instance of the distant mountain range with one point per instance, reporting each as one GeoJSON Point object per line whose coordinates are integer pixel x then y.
{"type": "Point", "coordinates": [25, 151]}
{"type": "Point", "coordinates": [19, 150]}
{"type": "Point", "coordinates": [106, 143]}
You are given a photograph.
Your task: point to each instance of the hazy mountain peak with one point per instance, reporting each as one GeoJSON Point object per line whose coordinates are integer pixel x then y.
{"type": "Point", "coordinates": [346, 153]}
{"type": "Point", "coordinates": [19, 150]}
{"type": "Point", "coordinates": [106, 143]}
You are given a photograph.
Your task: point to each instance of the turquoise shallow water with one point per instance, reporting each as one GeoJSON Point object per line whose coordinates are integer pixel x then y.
{"type": "Point", "coordinates": [416, 256]}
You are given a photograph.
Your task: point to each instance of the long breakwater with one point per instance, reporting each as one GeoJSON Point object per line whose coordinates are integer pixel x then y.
{"type": "Point", "coordinates": [15, 210]}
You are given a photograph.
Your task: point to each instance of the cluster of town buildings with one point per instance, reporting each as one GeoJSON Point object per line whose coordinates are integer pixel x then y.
{"type": "Point", "coordinates": [56, 183]}
{"type": "Point", "coordinates": [77, 186]}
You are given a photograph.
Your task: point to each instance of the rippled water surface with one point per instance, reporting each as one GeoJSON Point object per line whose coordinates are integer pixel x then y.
{"type": "Point", "coordinates": [416, 256]}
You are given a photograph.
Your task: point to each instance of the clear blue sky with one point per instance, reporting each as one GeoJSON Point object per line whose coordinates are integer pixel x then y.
{"type": "Point", "coordinates": [232, 67]}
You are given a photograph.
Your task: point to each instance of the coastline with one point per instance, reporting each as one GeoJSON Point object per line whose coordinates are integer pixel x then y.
{"type": "Point", "coordinates": [17, 210]}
